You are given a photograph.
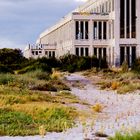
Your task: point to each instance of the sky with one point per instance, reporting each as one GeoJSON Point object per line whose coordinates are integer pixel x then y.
{"type": "Point", "coordinates": [22, 21]}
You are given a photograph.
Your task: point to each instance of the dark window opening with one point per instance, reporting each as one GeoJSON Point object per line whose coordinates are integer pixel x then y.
{"type": "Point", "coordinates": [95, 52]}
{"type": "Point", "coordinates": [128, 18]}
{"type": "Point", "coordinates": [77, 51]}
{"type": "Point", "coordinates": [82, 51]}
{"type": "Point", "coordinates": [100, 30]}
{"type": "Point", "coordinates": [122, 18]}
{"type": "Point", "coordinates": [49, 53]}
{"type": "Point", "coordinates": [133, 54]}
{"type": "Point", "coordinates": [36, 53]}
{"type": "Point", "coordinates": [133, 19]}
{"type": "Point", "coordinates": [82, 30]}
{"type": "Point", "coordinates": [86, 30]}
{"type": "Point", "coordinates": [86, 52]}
{"type": "Point", "coordinates": [100, 53]}
{"type": "Point", "coordinates": [77, 29]}
{"type": "Point", "coordinates": [104, 53]}
{"type": "Point", "coordinates": [53, 53]}
{"type": "Point", "coordinates": [95, 30]}
{"type": "Point", "coordinates": [105, 31]}
{"type": "Point", "coordinates": [128, 55]}
{"type": "Point", "coordinates": [46, 52]}
{"type": "Point", "coordinates": [122, 57]}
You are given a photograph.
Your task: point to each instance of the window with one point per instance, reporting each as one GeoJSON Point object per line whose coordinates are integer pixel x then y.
{"type": "Point", "coordinates": [32, 52]}
{"type": "Point", "coordinates": [105, 30]}
{"type": "Point", "coordinates": [82, 51]}
{"type": "Point", "coordinates": [100, 30]}
{"type": "Point", "coordinates": [133, 19]}
{"type": "Point", "coordinates": [95, 30]}
{"type": "Point", "coordinates": [36, 52]}
{"type": "Point", "coordinates": [46, 52]}
{"type": "Point", "coordinates": [81, 29]}
{"type": "Point", "coordinates": [122, 18]}
{"type": "Point", "coordinates": [86, 52]}
{"type": "Point", "coordinates": [128, 19]}
{"type": "Point", "coordinates": [95, 52]}
{"type": "Point", "coordinates": [50, 55]}
{"type": "Point", "coordinates": [86, 30]}
{"type": "Point", "coordinates": [77, 51]}
{"type": "Point", "coordinates": [53, 54]}
{"type": "Point", "coordinates": [77, 28]}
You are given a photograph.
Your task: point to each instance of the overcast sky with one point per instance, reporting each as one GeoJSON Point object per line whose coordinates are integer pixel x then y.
{"type": "Point", "coordinates": [21, 21]}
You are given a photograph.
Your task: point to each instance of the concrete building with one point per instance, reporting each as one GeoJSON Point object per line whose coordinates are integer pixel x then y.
{"type": "Point", "coordinates": [105, 28]}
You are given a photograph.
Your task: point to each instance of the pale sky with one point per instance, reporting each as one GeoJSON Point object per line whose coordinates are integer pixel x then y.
{"type": "Point", "coordinates": [21, 21]}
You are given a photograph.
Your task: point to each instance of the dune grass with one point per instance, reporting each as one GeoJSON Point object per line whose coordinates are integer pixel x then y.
{"type": "Point", "coordinates": [24, 109]}
{"type": "Point", "coordinates": [133, 136]}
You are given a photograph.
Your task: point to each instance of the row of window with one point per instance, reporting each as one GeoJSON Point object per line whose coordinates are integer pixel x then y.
{"type": "Point", "coordinates": [84, 51]}
{"type": "Point", "coordinates": [127, 18]}
{"type": "Point", "coordinates": [47, 53]}
{"type": "Point", "coordinates": [50, 53]}
{"type": "Point", "coordinates": [36, 52]}
{"type": "Point", "coordinates": [82, 29]}
{"type": "Point", "coordinates": [99, 30]}
{"type": "Point", "coordinates": [127, 53]}
{"type": "Point", "coordinates": [105, 7]}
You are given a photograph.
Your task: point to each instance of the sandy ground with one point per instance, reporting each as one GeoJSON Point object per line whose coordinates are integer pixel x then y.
{"type": "Point", "coordinates": [120, 113]}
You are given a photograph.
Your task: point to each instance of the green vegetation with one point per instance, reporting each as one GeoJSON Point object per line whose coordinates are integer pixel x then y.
{"type": "Point", "coordinates": [28, 101]}
{"type": "Point", "coordinates": [133, 136]}
{"type": "Point", "coordinates": [116, 79]}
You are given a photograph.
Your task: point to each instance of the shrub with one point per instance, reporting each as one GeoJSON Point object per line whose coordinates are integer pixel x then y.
{"type": "Point", "coordinates": [133, 136]}
{"type": "Point", "coordinates": [136, 66]}
{"type": "Point", "coordinates": [6, 79]}
{"type": "Point", "coordinates": [125, 66]}
{"type": "Point", "coordinates": [115, 85]}
{"type": "Point", "coordinates": [97, 108]}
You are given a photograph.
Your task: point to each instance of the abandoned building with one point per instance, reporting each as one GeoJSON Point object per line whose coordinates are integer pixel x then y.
{"type": "Point", "coordinates": [108, 29]}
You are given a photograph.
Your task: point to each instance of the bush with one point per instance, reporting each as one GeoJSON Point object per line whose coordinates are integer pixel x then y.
{"type": "Point", "coordinates": [97, 108]}
{"type": "Point", "coordinates": [125, 66]}
{"type": "Point", "coordinates": [133, 136]}
{"type": "Point", "coordinates": [74, 63]}
{"type": "Point", "coordinates": [5, 69]}
{"type": "Point", "coordinates": [136, 66]}
{"type": "Point", "coordinates": [6, 79]}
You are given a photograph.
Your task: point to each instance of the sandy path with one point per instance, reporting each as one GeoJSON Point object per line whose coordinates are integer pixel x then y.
{"type": "Point", "coordinates": [121, 112]}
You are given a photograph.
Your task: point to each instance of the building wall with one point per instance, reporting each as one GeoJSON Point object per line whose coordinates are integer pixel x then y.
{"type": "Point", "coordinates": [62, 36]}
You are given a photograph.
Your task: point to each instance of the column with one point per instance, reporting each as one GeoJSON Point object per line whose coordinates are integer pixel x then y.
{"type": "Point", "coordinates": [102, 30]}
{"type": "Point", "coordinates": [107, 28]}
{"type": "Point", "coordinates": [125, 53]}
{"type": "Point", "coordinates": [102, 53]}
{"type": "Point", "coordinates": [84, 30]}
{"type": "Point", "coordinates": [79, 34]}
{"type": "Point", "coordinates": [130, 55]}
{"type": "Point", "coordinates": [97, 52]}
{"type": "Point", "coordinates": [97, 30]}
{"type": "Point", "coordinates": [125, 24]}
{"type": "Point", "coordinates": [79, 51]}
{"type": "Point", "coordinates": [130, 19]}
{"type": "Point", "coordinates": [84, 54]}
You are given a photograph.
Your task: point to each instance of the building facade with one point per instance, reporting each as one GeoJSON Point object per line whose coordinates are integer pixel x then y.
{"type": "Point", "coordinates": [108, 29]}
